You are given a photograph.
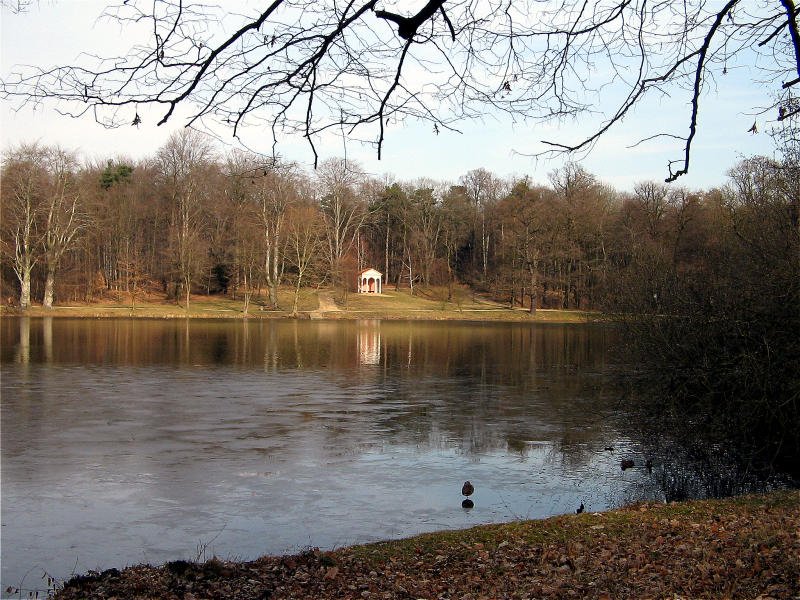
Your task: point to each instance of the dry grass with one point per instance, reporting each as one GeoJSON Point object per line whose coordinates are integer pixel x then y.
{"type": "Point", "coordinates": [200, 306]}
{"type": "Point", "coordinates": [424, 304]}
{"type": "Point", "coordinates": [433, 304]}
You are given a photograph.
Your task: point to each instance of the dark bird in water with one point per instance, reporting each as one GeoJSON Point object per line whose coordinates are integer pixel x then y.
{"type": "Point", "coordinates": [626, 463]}
{"type": "Point", "coordinates": [467, 488]}
{"type": "Point", "coordinates": [609, 448]}
{"type": "Point", "coordinates": [579, 510]}
{"type": "Point", "coordinates": [467, 503]}
{"type": "Point", "coordinates": [649, 465]}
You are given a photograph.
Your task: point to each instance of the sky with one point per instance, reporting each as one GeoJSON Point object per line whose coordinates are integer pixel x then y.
{"type": "Point", "coordinates": [55, 32]}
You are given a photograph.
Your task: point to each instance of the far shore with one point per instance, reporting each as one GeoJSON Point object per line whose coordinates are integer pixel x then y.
{"type": "Point", "coordinates": [327, 304]}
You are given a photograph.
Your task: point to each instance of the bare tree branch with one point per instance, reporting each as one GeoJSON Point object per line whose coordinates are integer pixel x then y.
{"type": "Point", "coordinates": [407, 26]}
{"type": "Point", "coordinates": [253, 26]}
{"type": "Point", "coordinates": [791, 22]}
{"type": "Point", "coordinates": [312, 67]}
{"type": "Point", "coordinates": [698, 81]}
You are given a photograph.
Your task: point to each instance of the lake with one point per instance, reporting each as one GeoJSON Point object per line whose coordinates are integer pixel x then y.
{"type": "Point", "coordinates": [127, 441]}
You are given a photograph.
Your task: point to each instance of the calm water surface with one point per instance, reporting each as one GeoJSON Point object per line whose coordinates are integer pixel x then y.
{"type": "Point", "coordinates": [129, 441]}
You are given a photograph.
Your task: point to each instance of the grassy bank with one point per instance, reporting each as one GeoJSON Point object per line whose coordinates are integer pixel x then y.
{"type": "Point", "coordinates": [424, 304]}
{"type": "Point", "coordinates": [746, 547]}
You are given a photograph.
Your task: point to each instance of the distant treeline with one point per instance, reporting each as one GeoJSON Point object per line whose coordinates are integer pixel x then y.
{"type": "Point", "coordinates": [191, 221]}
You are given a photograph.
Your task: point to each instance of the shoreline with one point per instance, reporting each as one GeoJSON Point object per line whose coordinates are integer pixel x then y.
{"type": "Point", "coordinates": [746, 546]}
{"type": "Point", "coordinates": [316, 305]}
{"type": "Point", "coordinates": [541, 316]}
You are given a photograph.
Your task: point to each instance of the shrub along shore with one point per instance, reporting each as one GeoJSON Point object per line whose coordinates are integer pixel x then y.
{"type": "Point", "coordinates": [744, 547]}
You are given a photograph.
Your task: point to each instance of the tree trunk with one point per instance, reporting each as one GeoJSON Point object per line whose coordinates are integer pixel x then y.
{"type": "Point", "coordinates": [273, 281]}
{"type": "Point", "coordinates": [271, 270]}
{"type": "Point", "coordinates": [533, 289]}
{"type": "Point", "coordinates": [49, 287]}
{"type": "Point", "coordinates": [272, 288]}
{"type": "Point", "coordinates": [410, 273]}
{"type": "Point", "coordinates": [296, 294]}
{"type": "Point", "coordinates": [386, 251]}
{"type": "Point", "coordinates": [25, 288]}
{"type": "Point", "coordinates": [246, 294]}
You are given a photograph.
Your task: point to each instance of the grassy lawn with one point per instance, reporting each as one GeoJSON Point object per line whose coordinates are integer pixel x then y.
{"type": "Point", "coordinates": [200, 306]}
{"type": "Point", "coordinates": [432, 303]}
{"type": "Point", "coordinates": [424, 304]}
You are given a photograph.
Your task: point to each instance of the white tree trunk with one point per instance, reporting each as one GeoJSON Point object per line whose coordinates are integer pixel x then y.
{"type": "Point", "coordinates": [25, 287]}
{"type": "Point", "coordinates": [49, 287]}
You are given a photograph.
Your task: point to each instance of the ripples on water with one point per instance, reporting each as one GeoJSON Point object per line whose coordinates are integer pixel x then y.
{"type": "Point", "coordinates": [128, 441]}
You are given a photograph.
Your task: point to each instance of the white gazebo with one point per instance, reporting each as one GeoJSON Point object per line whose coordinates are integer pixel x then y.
{"type": "Point", "coordinates": [370, 282]}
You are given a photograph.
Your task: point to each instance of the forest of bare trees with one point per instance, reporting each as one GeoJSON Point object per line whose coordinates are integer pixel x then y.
{"type": "Point", "coordinates": [192, 221]}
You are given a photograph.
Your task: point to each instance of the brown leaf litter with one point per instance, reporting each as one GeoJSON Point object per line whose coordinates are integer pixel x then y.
{"type": "Point", "coordinates": [746, 547]}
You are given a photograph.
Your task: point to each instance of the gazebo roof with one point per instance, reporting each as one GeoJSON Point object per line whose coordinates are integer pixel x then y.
{"type": "Point", "coordinates": [370, 272]}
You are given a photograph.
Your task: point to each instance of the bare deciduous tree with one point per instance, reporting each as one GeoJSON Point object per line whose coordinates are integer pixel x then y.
{"type": "Point", "coordinates": [41, 201]}
{"type": "Point", "coordinates": [484, 190]}
{"type": "Point", "coordinates": [276, 191]}
{"type": "Point", "coordinates": [310, 67]}
{"type": "Point", "coordinates": [21, 199]}
{"type": "Point", "coordinates": [524, 235]}
{"type": "Point", "coordinates": [63, 214]}
{"type": "Point", "coordinates": [305, 240]}
{"type": "Point", "coordinates": [180, 162]}
{"type": "Point", "coordinates": [343, 210]}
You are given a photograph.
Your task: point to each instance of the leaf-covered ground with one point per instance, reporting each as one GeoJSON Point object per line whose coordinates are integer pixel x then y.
{"type": "Point", "coordinates": [746, 547]}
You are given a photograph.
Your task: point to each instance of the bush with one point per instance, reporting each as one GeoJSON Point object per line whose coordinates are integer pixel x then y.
{"type": "Point", "coordinates": [715, 338]}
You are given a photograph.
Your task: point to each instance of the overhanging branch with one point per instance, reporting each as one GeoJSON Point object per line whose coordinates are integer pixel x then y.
{"type": "Point", "coordinates": [698, 81]}
{"type": "Point", "coordinates": [791, 21]}
{"type": "Point", "coordinates": [408, 26]}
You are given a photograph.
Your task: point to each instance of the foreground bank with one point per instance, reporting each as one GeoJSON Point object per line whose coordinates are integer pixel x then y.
{"type": "Point", "coordinates": [747, 547]}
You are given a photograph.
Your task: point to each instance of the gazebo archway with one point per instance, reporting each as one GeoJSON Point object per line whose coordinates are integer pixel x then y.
{"type": "Point", "coordinates": [370, 281]}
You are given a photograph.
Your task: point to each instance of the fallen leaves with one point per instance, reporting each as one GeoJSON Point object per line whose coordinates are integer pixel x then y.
{"type": "Point", "coordinates": [714, 549]}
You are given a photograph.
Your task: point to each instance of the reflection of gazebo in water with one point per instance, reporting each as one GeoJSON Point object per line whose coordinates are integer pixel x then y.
{"type": "Point", "coordinates": [369, 282]}
{"type": "Point", "coordinates": [369, 342]}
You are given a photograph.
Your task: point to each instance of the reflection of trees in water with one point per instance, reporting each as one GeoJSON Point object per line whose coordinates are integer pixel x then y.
{"type": "Point", "coordinates": [484, 389]}
{"type": "Point", "coordinates": [689, 464]}
{"type": "Point", "coordinates": [471, 386]}
{"type": "Point", "coordinates": [576, 445]}
{"type": "Point", "coordinates": [274, 394]}
{"type": "Point", "coordinates": [22, 354]}
{"type": "Point", "coordinates": [476, 349]}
